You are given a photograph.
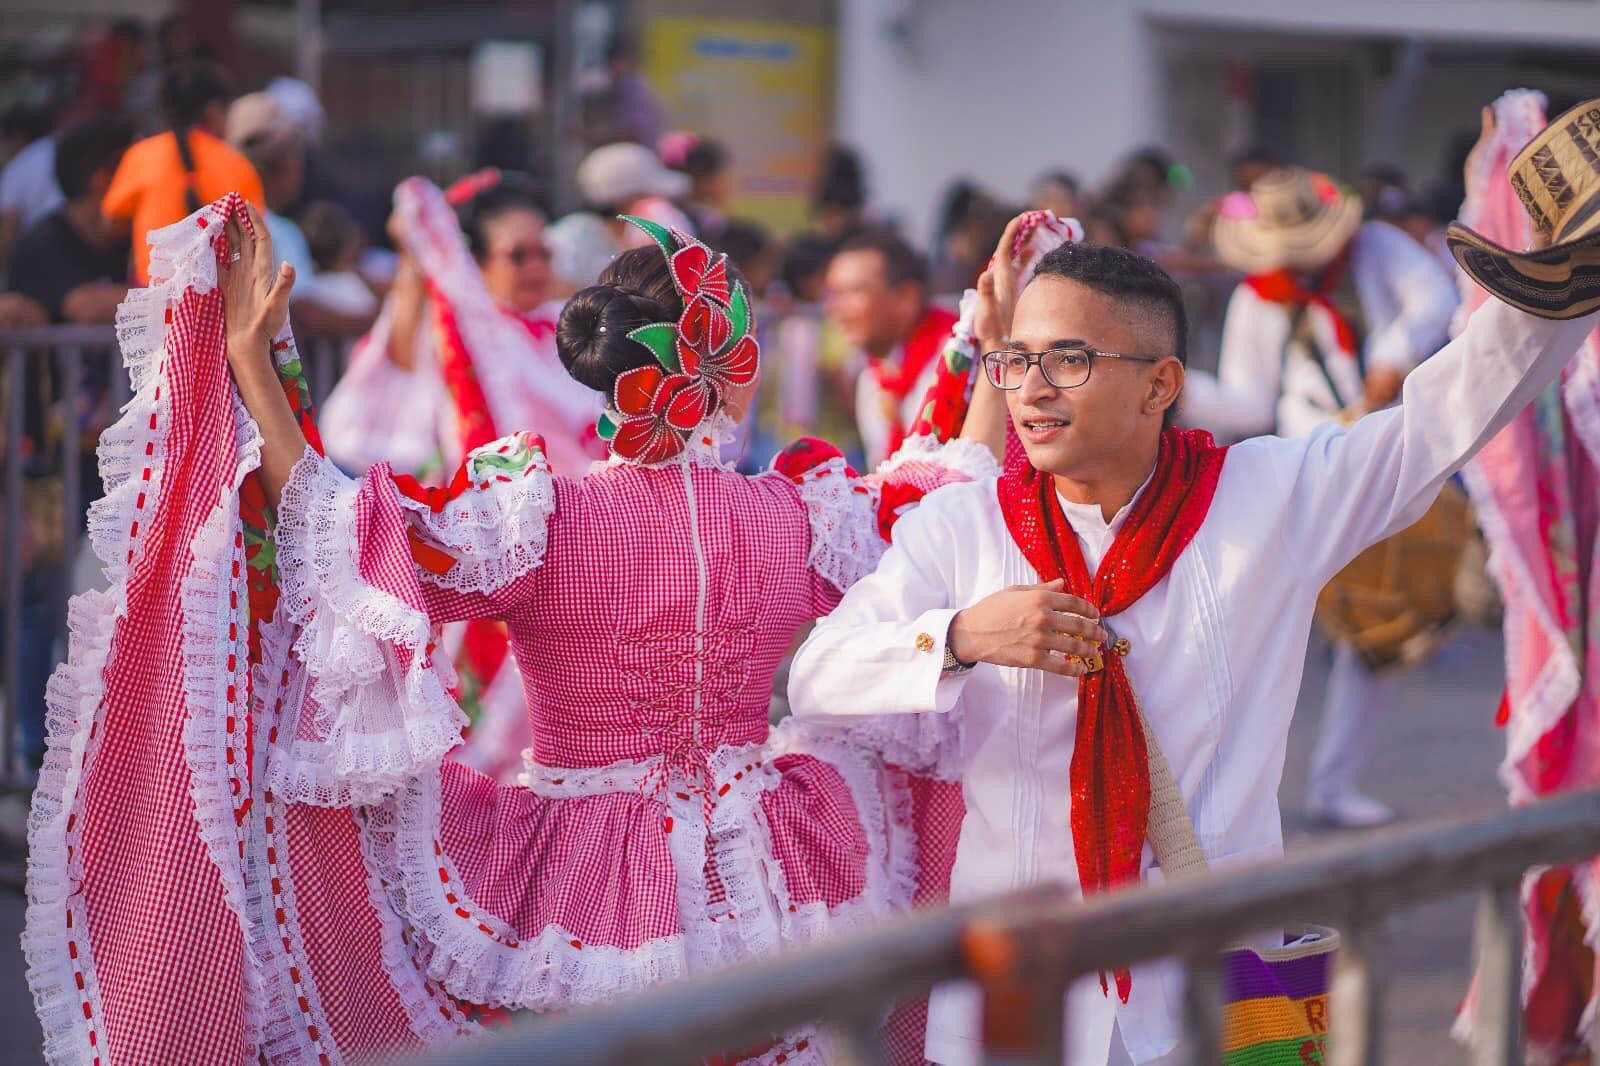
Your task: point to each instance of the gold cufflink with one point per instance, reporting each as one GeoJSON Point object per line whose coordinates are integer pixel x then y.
{"type": "Point", "coordinates": [924, 642]}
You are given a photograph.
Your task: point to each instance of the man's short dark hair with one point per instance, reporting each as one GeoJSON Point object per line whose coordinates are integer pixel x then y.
{"type": "Point", "coordinates": [1127, 277]}
{"type": "Point", "coordinates": [901, 262]}
{"type": "Point", "coordinates": [90, 145]}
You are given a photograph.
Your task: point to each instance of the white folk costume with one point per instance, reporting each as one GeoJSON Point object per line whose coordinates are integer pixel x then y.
{"type": "Point", "coordinates": [1244, 540]}
{"type": "Point", "coordinates": [246, 840]}
{"type": "Point", "coordinates": [890, 390]}
{"type": "Point", "coordinates": [480, 371]}
{"type": "Point", "coordinates": [1293, 359]}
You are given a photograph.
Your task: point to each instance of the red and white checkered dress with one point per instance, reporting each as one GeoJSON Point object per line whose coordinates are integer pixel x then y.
{"type": "Point", "coordinates": [228, 862]}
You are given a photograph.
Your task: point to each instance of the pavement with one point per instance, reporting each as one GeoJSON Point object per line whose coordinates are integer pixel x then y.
{"type": "Point", "coordinates": [1436, 758]}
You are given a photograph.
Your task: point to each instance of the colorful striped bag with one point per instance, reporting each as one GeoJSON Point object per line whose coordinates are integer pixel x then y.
{"type": "Point", "coordinates": [1275, 1000]}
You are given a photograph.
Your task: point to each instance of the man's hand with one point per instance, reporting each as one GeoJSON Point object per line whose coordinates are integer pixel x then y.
{"type": "Point", "coordinates": [1037, 626]}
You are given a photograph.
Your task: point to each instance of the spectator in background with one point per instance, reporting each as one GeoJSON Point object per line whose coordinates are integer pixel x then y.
{"type": "Point", "coordinates": [581, 244]}
{"type": "Point", "coordinates": [165, 177]}
{"type": "Point", "coordinates": [841, 196]}
{"type": "Point", "coordinates": [270, 140]}
{"type": "Point", "coordinates": [967, 236]}
{"type": "Point", "coordinates": [752, 251]}
{"type": "Point", "coordinates": [335, 243]}
{"type": "Point", "coordinates": [630, 179]}
{"type": "Point", "coordinates": [1252, 163]}
{"type": "Point", "coordinates": [73, 262]}
{"type": "Point", "coordinates": [1059, 192]}
{"type": "Point", "coordinates": [636, 114]}
{"type": "Point", "coordinates": [28, 189]}
{"type": "Point", "coordinates": [877, 295]}
{"type": "Point", "coordinates": [803, 271]}
{"type": "Point", "coordinates": [705, 163]}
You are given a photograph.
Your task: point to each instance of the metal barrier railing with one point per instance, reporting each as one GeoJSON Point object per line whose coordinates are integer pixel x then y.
{"type": "Point", "coordinates": [79, 361]}
{"type": "Point", "coordinates": [1024, 950]}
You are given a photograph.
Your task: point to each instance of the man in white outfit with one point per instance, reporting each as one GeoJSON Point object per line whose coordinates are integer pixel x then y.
{"type": "Point", "coordinates": [1332, 316]}
{"type": "Point", "coordinates": [1188, 576]}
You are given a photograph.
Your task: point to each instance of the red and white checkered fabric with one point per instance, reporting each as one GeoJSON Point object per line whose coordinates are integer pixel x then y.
{"type": "Point", "coordinates": [202, 886]}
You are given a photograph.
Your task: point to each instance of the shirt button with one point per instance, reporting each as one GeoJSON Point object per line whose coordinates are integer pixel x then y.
{"type": "Point", "coordinates": [924, 642]}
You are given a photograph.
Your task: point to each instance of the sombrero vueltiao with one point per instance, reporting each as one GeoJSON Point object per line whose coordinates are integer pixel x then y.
{"type": "Point", "coordinates": [1292, 219]}
{"type": "Point", "coordinates": [1557, 176]}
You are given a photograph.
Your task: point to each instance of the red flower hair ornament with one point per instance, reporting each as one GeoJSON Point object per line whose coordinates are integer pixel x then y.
{"type": "Point", "coordinates": [710, 349]}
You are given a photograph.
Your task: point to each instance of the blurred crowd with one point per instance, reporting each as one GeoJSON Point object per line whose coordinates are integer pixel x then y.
{"type": "Point", "coordinates": [855, 307]}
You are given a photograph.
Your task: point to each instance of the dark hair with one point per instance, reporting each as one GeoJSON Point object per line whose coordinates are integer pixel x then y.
{"type": "Point", "coordinates": [188, 88]}
{"type": "Point", "coordinates": [901, 262]}
{"type": "Point", "coordinates": [1259, 154]}
{"type": "Point", "coordinates": [620, 48]}
{"type": "Point", "coordinates": [329, 230]}
{"type": "Point", "coordinates": [741, 241]}
{"type": "Point", "coordinates": [27, 123]}
{"type": "Point", "coordinates": [592, 334]}
{"type": "Point", "coordinates": [1126, 277]}
{"type": "Point", "coordinates": [705, 158]}
{"type": "Point", "coordinates": [88, 146]}
{"type": "Point", "coordinates": [1066, 179]}
{"type": "Point", "coordinates": [842, 183]}
{"type": "Point", "coordinates": [513, 192]}
{"type": "Point", "coordinates": [804, 260]}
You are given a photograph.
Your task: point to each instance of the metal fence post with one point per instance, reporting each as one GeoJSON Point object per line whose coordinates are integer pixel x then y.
{"type": "Point", "coordinates": [1202, 1011]}
{"type": "Point", "coordinates": [1497, 942]}
{"type": "Point", "coordinates": [1354, 1008]}
{"type": "Point", "coordinates": [15, 378]}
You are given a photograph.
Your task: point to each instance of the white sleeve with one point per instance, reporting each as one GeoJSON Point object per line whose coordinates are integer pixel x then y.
{"type": "Point", "coordinates": [882, 649]}
{"type": "Point", "coordinates": [1422, 290]}
{"type": "Point", "coordinates": [1241, 400]}
{"type": "Point", "coordinates": [1351, 488]}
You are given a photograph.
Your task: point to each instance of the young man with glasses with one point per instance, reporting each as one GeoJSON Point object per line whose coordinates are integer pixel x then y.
{"type": "Point", "coordinates": [1120, 571]}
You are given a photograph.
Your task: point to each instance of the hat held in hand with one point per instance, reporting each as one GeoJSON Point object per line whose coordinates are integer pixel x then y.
{"type": "Point", "coordinates": [1557, 176]}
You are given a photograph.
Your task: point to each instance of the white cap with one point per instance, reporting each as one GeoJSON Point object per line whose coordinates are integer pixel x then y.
{"type": "Point", "coordinates": [299, 101]}
{"type": "Point", "coordinates": [613, 175]}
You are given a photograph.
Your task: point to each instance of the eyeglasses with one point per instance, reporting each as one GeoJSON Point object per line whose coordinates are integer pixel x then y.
{"type": "Point", "coordinates": [524, 252]}
{"type": "Point", "coordinates": [1063, 368]}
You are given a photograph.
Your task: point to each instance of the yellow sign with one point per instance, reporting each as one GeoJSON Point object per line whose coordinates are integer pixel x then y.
{"type": "Point", "coordinates": [762, 88]}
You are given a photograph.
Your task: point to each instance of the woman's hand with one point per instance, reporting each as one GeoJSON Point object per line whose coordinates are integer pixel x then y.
{"type": "Point", "coordinates": [997, 290]}
{"type": "Point", "coordinates": [255, 292]}
{"type": "Point", "coordinates": [255, 303]}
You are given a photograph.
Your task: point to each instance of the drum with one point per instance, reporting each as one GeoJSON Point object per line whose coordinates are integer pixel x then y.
{"type": "Point", "coordinates": [1395, 600]}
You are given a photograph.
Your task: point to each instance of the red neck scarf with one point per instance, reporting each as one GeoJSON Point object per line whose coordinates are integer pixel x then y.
{"type": "Point", "coordinates": [1110, 772]}
{"type": "Point", "coordinates": [897, 379]}
{"type": "Point", "coordinates": [1282, 287]}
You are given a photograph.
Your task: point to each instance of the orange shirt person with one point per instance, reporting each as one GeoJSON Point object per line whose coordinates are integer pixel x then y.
{"type": "Point", "coordinates": [161, 179]}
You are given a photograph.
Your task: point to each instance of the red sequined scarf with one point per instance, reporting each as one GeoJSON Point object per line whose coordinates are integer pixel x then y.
{"type": "Point", "coordinates": [1110, 772]}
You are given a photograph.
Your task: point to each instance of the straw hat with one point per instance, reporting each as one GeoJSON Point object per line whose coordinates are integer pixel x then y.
{"type": "Point", "coordinates": [1557, 175]}
{"type": "Point", "coordinates": [1291, 218]}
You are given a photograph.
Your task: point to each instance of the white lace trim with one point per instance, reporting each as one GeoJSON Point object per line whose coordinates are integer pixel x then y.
{"type": "Point", "coordinates": [732, 766]}
{"type": "Point", "coordinates": [369, 723]}
{"type": "Point", "coordinates": [216, 686]}
{"type": "Point", "coordinates": [843, 510]}
{"type": "Point", "coordinates": [498, 531]}
{"type": "Point", "coordinates": [55, 940]}
{"type": "Point", "coordinates": [476, 956]}
{"type": "Point", "coordinates": [969, 458]}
